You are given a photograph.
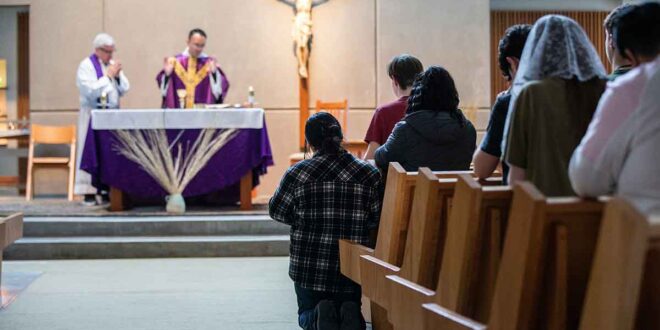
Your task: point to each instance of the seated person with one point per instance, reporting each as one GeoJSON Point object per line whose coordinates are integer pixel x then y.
{"type": "Point", "coordinates": [434, 133]}
{"type": "Point", "coordinates": [487, 157]}
{"type": "Point", "coordinates": [619, 152]}
{"type": "Point", "coordinates": [331, 196]}
{"type": "Point", "coordinates": [402, 71]}
{"type": "Point", "coordinates": [554, 96]}
{"type": "Point", "coordinates": [619, 63]}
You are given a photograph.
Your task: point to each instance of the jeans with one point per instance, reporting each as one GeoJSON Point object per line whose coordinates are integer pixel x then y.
{"type": "Point", "coordinates": [308, 299]}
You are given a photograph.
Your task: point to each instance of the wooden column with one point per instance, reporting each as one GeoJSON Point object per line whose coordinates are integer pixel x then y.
{"type": "Point", "coordinates": [303, 114]}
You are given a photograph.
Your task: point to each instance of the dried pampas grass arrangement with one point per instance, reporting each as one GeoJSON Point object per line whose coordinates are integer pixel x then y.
{"type": "Point", "coordinates": [154, 153]}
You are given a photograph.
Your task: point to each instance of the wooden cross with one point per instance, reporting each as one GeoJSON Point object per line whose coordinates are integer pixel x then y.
{"type": "Point", "coordinates": [302, 39]}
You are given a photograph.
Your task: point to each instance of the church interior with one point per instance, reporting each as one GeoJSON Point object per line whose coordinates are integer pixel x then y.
{"type": "Point", "coordinates": [329, 164]}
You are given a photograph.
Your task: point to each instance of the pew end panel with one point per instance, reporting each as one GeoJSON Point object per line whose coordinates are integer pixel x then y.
{"type": "Point", "coordinates": [374, 282]}
{"type": "Point", "coordinates": [406, 299]}
{"type": "Point", "coordinates": [349, 258]}
{"type": "Point", "coordinates": [546, 261]}
{"type": "Point", "coordinates": [11, 230]}
{"type": "Point", "coordinates": [623, 288]}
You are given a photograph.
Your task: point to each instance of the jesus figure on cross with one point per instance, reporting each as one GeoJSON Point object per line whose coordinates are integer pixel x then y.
{"type": "Point", "coordinates": [302, 30]}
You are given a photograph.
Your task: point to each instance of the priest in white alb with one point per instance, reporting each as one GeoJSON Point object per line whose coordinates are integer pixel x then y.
{"type": "Point", "coordinates": [101, 82]}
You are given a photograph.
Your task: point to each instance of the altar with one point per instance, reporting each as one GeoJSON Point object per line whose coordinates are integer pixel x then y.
{"type": "Point", "coordinates": [231, 173]}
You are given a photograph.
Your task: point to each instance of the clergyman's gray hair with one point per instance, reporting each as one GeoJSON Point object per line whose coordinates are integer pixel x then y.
{"type": "Point", "coordinates": [103, 39]}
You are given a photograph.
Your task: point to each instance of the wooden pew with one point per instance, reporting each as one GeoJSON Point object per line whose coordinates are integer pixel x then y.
{"type": "Point", "coordinates": [624, 287]}
{"type": "Point", "coordinates": [392, 231]}
{"type": "Point", "coordinates": [393, 227]}
{"type": "Point", "coordinates": [469, 262]}
{"type": "Point", "coordinates": [431, 200]}
{"type": "Point", "coordinates": [546, 261]}
{"type": "Point", "coordinates": [11, 229]}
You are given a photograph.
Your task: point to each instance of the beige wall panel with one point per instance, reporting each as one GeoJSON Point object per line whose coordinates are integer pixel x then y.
{"type": "Point", "coordinates": [61, 34]}
{"type": "Point", "coordinates": [453, 34]}
{"type": "Point", "coordinates": [283, 134]}
{"type": "Point", "coordinates": [342, 63]}
{"type": "Point", "coordinates": [251, 39]}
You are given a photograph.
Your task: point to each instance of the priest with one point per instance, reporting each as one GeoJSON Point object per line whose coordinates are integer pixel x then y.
{"type": "Point", "coordinates": [101, 82]}
{"type": "Point", "coordinates": [192, 77]}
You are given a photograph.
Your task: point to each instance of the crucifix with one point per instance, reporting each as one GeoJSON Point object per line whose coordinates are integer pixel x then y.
{"type": "Point", "coordinates": [302, 46]}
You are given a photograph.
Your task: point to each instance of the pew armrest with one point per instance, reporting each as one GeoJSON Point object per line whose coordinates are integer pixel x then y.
{"type": "Point", "coordinates": [349, 258]}
{"type": "Point", "coordinates": [406, 299]}
{"type": "Point", "coordinates": [438, 317]}
{"type": "Point", "coordinates": [11, 229]}
{"type": "Point", "coordinates": [374, 282]}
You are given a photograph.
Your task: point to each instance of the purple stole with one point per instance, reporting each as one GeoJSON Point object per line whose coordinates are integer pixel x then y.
{"type": "Point", "coordinates": [202, 91]}
{"type": "Point", "coordinates": [99, 74]}
{"type": "Point", "coordinates": [97, 65]}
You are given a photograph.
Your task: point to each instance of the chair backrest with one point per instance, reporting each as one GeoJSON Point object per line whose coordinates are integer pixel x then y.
{"type": "Point", "coordinates": [624, 291]}
{"type": "Point", "coordinates": [338, 109]}
{"type": "Point", "coordinates": [546, 261]}
{"type": "Point", "coordinates": [473, 248]}
{"type": "Point", "coordinates": [53, 134]}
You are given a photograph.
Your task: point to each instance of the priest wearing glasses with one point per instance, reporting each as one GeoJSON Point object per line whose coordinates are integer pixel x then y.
{"type": "Point", "coordinates": [192, 77]}
{"type": "Point", "coordinates": [101, 82]}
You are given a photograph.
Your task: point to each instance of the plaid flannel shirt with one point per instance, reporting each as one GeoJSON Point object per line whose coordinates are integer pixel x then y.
{"type": "Point", "coordinates": [324, 199]}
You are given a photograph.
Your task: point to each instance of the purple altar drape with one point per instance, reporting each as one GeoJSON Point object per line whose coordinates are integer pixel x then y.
{"type": "Point", "coordinates": [249, 150]}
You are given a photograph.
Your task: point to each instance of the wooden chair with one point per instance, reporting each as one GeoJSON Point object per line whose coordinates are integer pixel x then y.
{"type": "Point", "coordinates": [624, 292]}
{"type": "Point", "coordinates": [338, 110]}
{"type": "Point", "coordinates": [11, 229]}
{"type": "Point", "coordinates": [466, 264]}
{"type": "Point", "coordinates": [543, 274]}
{"type": "Point", "coordinates": [51, 135]}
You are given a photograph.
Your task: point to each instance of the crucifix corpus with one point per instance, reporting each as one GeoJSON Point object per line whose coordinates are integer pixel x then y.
{"type": "Point", "coordinates": [302, 46]}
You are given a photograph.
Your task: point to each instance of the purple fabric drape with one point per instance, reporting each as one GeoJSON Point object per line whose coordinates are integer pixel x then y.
{"type": "Point", "coordinates": [249, 150]}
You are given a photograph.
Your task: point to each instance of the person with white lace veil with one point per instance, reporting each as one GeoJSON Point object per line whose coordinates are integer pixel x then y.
{"type": "Point", "coordinates": [554, 95]}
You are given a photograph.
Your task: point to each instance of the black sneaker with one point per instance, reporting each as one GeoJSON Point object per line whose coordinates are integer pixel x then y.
{"type": "Point", "coordinates": [351, 317]}
{"type": "Point", "coordinates": [90, 200]}
{"type": "Point", "coordinates": [326, 316]}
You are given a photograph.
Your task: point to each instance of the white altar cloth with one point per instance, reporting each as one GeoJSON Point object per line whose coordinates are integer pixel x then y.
{"type": "Point", "coordinates": [177, 118]}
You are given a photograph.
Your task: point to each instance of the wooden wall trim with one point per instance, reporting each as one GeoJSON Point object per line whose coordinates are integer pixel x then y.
{"type": "Point", "coordinates": [591, 21]}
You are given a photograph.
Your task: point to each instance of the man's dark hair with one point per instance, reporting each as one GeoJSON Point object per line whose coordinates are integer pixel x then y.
{"type": "Point", "coordinates": [607, 24]}
{"type": "Point", "coordinates": [637, 29]}
{"type": "Point", "coordinates": [404, 69]}
{"type": "Point", "coordinates": [196, 31]}
{"type": "Point", "coordinates": [512, 45]}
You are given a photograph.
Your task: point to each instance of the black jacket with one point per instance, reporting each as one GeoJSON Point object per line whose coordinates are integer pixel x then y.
{"type": "Point", "coordinates": [434, 139]}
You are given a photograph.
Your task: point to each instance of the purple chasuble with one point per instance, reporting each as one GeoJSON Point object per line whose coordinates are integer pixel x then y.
{"type": "Point", "coordinates": [203, 93]}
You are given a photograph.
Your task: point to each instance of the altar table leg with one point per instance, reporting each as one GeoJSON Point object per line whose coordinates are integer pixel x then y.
{"type": "Point", "coordinates": [246, 191]}
{"type": "Point", "coordinates": [116, 200]}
